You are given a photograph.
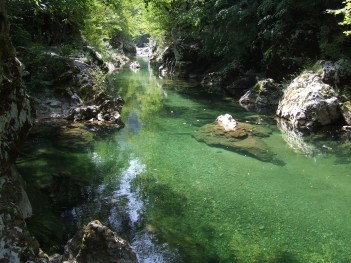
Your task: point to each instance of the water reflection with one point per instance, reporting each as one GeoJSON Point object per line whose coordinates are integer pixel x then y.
{"type": "Point", "coordinates": [134, 205]}
{"type": "Point", "coordinates": [177, 200]}
{"type": "Point", "coordinates": [295, 139]}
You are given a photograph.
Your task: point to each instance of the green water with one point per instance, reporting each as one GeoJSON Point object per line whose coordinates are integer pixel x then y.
{"type": "Point", "coordinates": [178, 200]}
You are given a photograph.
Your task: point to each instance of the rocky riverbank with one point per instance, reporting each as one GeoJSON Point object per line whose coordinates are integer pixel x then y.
{"type": "Point", "coordinates": [77, 97]}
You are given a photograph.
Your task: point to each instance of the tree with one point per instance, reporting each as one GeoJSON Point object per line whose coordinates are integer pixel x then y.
{"type": "Point", "coordinates": [346, 12]}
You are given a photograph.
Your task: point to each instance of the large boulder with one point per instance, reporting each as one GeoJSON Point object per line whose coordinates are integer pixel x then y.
{"type": "Point", "coordinates": [309, 102]}
{"type": "Point", "coordinates": [266, 93]}
{"type": "Point", "coordinates": [239, 137]}
{"type": "Point", "coordinates": [97, 243]}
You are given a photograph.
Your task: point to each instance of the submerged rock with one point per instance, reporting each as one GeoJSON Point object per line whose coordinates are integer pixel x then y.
{"type": "Point", "coordinates": [244, 138]}
{"type": "Point", "coordinates": [96, 243]}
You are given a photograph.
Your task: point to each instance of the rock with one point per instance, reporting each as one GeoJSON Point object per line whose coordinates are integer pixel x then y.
{"type": "Point", "coordinates": [84, 113]}
{"type": "Point", "coordinates": [265, 93]}
{"type": "Point", "coordinates": [239, 85]}
{"type": "Point", "coordinates": [53, 103]}
{"type": "Point", "coordinates": [346, 128]}
{"type": "Point", "coordinates": [346, 112]}
{"type": "Point", "coordinates": [338, 72]}
{"type": "Point", "coordinates": [97, 57]}
{"type": "Point", "coordinates": [185, 51]}
{"type": "Point", "coordinates": [227, 122]}
{"type": "Point", "coordinates": [134, 65]}
{"type": "Point", "coordinates": [23, 202]}
{"type": "Point", "coordinates": [182, 68]}
{"type": "Point", "coordinates": [75, 99]}
{"type": "Point", "coordinates": [178, 59]}
{"type": "Point", "coordinates": [308, 102]}
{"type": "Point", "coordinates": [129, 48]}
{"type": "Point", "coordinates": [16, 243]}
{"type": "Point", "coordinates": [16, 113]}
{"type": "Point", "coordinates": [168, 54]}
{"type": "Point", "coordinates": [156, 53]}
{"type": "Point", "coordinates": [108, 111]}
{"type": "Point", "coordinates": [97, 244]}
{"type": "Point", "coordinates": [16, 119]}
{"type": "Point", "coordinates": [244, 138]}
{"type": "Point", "coordinates": [143, 51]}
{"type": "Point", "coordinates": [212, 81]}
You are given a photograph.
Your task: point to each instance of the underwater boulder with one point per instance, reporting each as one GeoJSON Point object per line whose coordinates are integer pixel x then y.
{"type": "Point", "coordinates": [244, 138]}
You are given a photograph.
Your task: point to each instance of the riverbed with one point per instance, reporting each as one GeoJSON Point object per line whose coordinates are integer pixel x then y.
{"type": "Point", "coordinates": [179, 200]}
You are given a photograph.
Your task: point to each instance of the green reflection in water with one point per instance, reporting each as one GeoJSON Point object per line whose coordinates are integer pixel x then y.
{"type": "Point", "coordinates": [209, 204]}
{"type": "Point", "coordinates": [219, 206]}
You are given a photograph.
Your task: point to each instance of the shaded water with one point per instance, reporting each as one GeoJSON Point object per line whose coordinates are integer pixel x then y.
{"type": "Point", "coordinates": [178, 200]}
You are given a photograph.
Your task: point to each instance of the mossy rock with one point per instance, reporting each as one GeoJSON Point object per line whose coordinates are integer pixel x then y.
{"type": "Point", "coordinates": [245, 139]}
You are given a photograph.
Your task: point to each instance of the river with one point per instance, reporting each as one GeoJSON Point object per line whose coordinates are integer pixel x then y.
{"type": "Point", "coordinates": [179, 200]}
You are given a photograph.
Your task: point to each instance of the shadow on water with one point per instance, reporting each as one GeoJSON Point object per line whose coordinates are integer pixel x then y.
{"type": "Point", "coordinates": [56, 165]}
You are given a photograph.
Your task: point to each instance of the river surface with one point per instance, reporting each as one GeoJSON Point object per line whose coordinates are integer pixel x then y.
{"type": "Point", "coordinates": [179, 200]}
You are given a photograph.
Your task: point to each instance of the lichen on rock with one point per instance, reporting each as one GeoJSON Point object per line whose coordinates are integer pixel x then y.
{"type": "Point", "coordinates": [309, 102]}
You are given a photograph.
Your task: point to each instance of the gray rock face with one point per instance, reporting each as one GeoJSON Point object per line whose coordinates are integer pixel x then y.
{"type": "Point", "coordinates": [265, 93]}
{"type": "Point", "coordinates": [97, 244]}
{"type": "Point", "coordinates": [346, 112]}
{"type": "Point", "coordinates": [184, 51]}
{"type": "Point", "coordinates": [309, 102]}
{"type": "Point", "coordinates": [16, 114]}
{"type": "Point", "coordinates": [338, 72]}
{"type": "Point", "coordinates": [16, 243]}
{"type": "Point", "coordinates": [178, 59]}
{"type": "Point", "coordinates": [16, 118]}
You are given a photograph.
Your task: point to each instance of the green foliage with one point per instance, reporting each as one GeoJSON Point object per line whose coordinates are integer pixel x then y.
{"type": "Point", "coordinates": [94, 22]}
{"type": "Point", "coordinates": [346, 13]}
{"type": "Point", "coordinates": [281, 34]}
{"type": "Point", "coordinates": [253, 32]}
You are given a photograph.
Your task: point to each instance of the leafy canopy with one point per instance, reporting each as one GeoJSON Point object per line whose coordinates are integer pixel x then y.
{"type": "Point", "coordinates": [346, 12]}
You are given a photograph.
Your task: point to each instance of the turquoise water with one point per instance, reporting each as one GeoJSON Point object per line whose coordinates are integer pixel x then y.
{"type": "Point", "coordinates": [178, 200]}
